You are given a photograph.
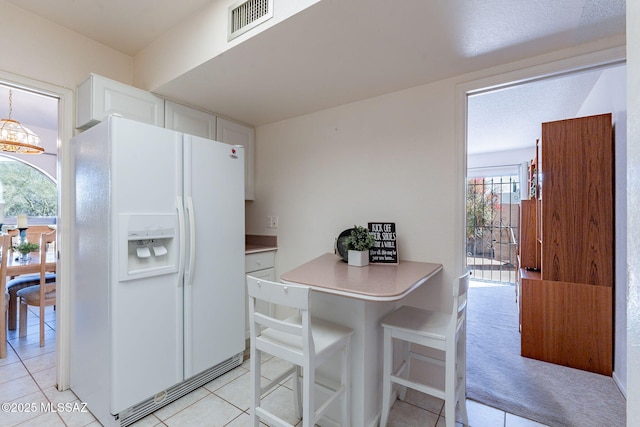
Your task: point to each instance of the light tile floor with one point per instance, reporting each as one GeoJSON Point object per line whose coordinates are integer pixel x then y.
{"type": "Point", "coordinates": [27, 381]}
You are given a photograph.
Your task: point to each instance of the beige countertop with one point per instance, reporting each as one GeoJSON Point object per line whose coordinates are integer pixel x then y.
{"type": "Point", "coordinates": [377, 282]}
{"type": "Point", "coordinates": [252, 249]}
{"type": "Point", "coordinates": [256, 243]}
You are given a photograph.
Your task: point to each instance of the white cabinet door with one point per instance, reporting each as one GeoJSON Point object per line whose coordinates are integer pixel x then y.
{"type": "Point", "coordinates": [237, 134]}
{"type": "Point", "coordinates": [98, 97]}
{"type": "Point", "coordinates": [189, 120]}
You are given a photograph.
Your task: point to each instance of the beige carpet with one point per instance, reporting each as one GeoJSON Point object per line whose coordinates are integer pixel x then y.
{"type": "Point", "coordinates": [550, 394]}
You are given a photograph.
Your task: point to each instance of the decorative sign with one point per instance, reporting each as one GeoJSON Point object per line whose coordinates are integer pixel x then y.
{"type": "Point", "coordinates": [384, 251]}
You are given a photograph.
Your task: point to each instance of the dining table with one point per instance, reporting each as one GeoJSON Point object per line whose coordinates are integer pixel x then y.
{"type": "Point", "coordinates": [359, 297]}
{"type": "Point", "coordinates": [15, 267]}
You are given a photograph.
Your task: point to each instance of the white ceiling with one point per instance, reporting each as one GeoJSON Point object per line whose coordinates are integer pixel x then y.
{"type": "Point", "coordinates": [124, 25]}
{"type": "Point", "coordinates": [510, 118]}
{"type": "Point", "coordinates": [337, 51]}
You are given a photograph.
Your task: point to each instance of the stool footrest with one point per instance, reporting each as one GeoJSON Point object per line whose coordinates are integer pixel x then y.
{"type": "Point", "coordinates": [273, 419]}
{"type": "Point", "coordinates": [418, 386]}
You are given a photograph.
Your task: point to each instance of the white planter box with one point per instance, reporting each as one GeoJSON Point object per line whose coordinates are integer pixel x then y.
{"type": "Point", "coordinates": [358, 258]}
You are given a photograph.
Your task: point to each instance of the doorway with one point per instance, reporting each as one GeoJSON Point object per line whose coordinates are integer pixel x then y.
{"type": "Point", "coordinates": [28, 186]}
{"type": "Point", "coordinates": [58, 129]}
{"type": "Point", "coordinates": [499, 97]}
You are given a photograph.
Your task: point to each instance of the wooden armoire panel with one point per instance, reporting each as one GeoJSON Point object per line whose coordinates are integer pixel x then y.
{"type": "Point", "coordinates": [529, 257]}
{"type": "Point", "coordinates": [577, 194]}
{"type": "Point", "coordinates": [569, 324]}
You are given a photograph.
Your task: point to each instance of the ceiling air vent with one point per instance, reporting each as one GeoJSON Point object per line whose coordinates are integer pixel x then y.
{"type": "Point", "coordinates": [248, 14]}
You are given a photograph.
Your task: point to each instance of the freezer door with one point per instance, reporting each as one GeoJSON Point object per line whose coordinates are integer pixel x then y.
{"type": "Point", "coordinates": [146, 312]}
{"type": "Point", "coordinates": [214, 278]}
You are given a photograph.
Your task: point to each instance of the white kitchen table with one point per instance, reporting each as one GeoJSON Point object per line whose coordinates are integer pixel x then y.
{"type": "Point", "coordinates": [359, 297]}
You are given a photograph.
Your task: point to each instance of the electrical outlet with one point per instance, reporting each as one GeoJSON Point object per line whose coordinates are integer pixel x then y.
{"type": "Point", "coordinates": [272, 222]}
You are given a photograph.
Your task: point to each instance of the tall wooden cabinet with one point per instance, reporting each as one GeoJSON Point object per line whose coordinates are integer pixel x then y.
{"type": "Point", "coordinates": [577, 209]}
{"type": "Point", "coordinates": [567, 300]}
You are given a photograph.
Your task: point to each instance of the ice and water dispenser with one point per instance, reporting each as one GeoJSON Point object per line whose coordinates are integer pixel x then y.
{"type": "Point", "coordinates": [149, 245]}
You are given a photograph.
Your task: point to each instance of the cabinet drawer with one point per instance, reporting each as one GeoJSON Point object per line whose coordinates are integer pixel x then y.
{"type": "Point", "coordinates": [259, 261]}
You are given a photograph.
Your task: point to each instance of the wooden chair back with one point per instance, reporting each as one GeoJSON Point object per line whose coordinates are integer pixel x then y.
{"type": "Point", "coordinates": [33, 232]}
{"type": "Point", "coordinates": [46, 240]}
{"type": "Point", "coordinates": [5, 241]}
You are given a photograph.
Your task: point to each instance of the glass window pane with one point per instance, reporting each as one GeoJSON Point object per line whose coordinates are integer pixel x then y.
{"type": "Point", "coordinates": [26, 189]}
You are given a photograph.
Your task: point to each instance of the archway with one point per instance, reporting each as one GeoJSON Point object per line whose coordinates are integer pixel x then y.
{"type": "Point", "coordinates": [26, 189]}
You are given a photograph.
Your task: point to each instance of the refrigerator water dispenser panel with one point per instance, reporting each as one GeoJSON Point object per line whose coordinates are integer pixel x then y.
{"type": "Point", "coordinates": [149, 245]}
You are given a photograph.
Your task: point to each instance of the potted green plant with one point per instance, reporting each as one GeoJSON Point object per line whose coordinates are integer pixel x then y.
{"type": "Point", "coordinates": [25, 248]}
{"type": "Point", "coordinates": [358, 244]}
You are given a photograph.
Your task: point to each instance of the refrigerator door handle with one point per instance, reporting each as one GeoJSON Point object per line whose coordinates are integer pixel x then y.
{"type": "Point", "coordinates": [181, 226]}
{"type": "Point", "coordinates": [192, 242]}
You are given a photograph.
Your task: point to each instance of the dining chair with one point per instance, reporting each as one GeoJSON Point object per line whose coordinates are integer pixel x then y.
{"type": "Point", "coordinates": [41, 295]}
{"type": "Point", "coordinates": [5, 241]}
{"type": "Point", "coordinates": [445, 332]}
{"type": "Point", "coordinates": [301, 340]}
{"type": "Point", "coordinates": [24, 280]}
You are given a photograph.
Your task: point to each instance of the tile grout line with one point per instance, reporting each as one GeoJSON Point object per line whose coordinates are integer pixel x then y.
{"type": "Point", "coordinates": [20, 358]}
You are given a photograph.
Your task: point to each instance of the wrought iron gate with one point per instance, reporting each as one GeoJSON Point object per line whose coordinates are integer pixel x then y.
{"type": "Point", "coordinates": [493, 212]}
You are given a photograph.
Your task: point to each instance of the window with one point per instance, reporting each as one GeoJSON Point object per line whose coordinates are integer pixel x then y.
{"type": "Point", "coordinates": [26, 189]}
{"type": "Point", "coordinates": [493, 212]}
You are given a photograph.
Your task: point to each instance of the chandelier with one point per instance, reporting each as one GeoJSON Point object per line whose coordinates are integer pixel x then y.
{"type": "Point", "coordinates": [15, 138]}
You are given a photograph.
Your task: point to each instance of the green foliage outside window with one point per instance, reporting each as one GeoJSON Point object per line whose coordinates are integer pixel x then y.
{"type": "Point", "coordinates": [26, 190]}
{"type": "Point", "coordinates": [482, 206]}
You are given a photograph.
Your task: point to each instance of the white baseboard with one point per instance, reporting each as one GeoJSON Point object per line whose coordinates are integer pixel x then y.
{"type": "Point", "coordinates": [618, 383]}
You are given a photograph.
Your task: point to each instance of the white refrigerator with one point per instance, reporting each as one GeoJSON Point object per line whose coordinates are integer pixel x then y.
{"type": "Point", "coordinates": [157, 292]}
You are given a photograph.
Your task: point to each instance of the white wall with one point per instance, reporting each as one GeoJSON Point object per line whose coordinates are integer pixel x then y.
{"type": "Point", "coordinates": [609, 96]}
{"type": "Point", "coordinates": [47, 52]}
{"type": "Point", "coordinates": [390, 158]}
{"type": "Point", "coordinates": [633, 212]}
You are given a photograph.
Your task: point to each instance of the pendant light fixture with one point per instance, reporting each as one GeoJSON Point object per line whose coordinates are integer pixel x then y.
{"type": "Point", "coordinates": [15, 138]}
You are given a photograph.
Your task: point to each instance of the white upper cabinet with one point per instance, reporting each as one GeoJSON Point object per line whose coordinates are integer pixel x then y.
{"type": "Point", "coordinates": [237, 134]}
{"type": "Point", "coordinates": [98, 97]}
{"type": "Point", "coordinates": [189, 120]}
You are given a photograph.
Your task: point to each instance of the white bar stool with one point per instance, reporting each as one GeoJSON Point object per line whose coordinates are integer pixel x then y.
{"type": "Point", "coordinates": [301, 340]}
{"type": "Point", "coordinates": [441, 331]}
